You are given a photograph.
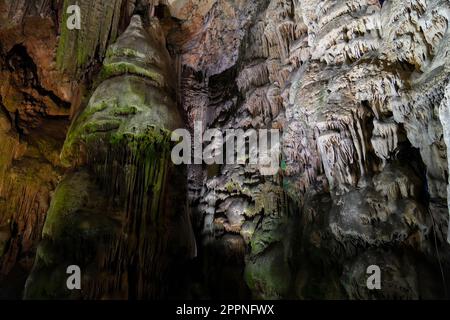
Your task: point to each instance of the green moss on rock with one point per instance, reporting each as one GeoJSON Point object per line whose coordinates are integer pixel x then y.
{"type": "Point", "coordinates": [268, 275]}
{"type": "Point", "coordinates": [119, 68]}
{"type": "Point", "coordinates": [99, 21]}
{"type": "Point", "coordinates": [270, 231]}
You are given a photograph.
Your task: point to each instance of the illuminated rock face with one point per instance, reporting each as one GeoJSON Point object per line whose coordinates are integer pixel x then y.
{"type": "Point", "coordinates": [111, 216]}
{"type": "Point", "coordinates": [359, 89]}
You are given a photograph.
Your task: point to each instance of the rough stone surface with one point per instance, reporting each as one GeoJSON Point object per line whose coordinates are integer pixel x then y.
{"type": "Point", "coordinates": [359, 89]}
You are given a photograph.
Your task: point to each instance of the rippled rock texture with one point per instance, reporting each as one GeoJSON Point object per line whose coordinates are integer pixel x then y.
{"type": "Point", "coordinates": [359, 89]}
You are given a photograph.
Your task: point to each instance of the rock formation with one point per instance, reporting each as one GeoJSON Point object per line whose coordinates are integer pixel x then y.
{"type": "Point", "coordinates": [360, 90]}
{"type": "Point", "coordinates": [117, 214]}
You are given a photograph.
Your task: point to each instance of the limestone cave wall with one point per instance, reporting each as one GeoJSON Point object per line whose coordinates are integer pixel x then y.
{"type": "Point", "coordinates": [360, 90]}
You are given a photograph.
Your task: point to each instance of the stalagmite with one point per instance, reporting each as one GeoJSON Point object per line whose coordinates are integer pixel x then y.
{"type": "Point", "coordinates": [122, 138]}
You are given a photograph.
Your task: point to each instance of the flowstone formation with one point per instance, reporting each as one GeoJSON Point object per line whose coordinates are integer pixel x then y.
{"type": "Point", "coordinates": [359, 90]}
{"type": "Point", "coordinates": [116, 215]}
{"type": "Point", "coordinates": [34, 116]}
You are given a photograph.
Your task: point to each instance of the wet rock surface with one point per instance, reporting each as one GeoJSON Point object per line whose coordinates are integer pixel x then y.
{"type": "Point", "coordinates": [358, 88]}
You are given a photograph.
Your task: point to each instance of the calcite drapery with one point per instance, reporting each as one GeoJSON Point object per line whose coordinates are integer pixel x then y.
{"type": "Point", "coordinates": [119, 147]}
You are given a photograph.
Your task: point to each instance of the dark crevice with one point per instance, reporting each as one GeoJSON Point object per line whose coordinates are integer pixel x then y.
{"type": "Point", "coordinates": [412, 158]}
{"type": "Point", "coordinates": [161, 12]}
{"type": "Point", "coordinates": [19, 61]}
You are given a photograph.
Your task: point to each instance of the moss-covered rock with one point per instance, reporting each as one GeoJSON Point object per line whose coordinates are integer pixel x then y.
{"type": "Point", "coordinates": [76, 227]}
{"type": "Point", "coordinates": [124, 105]}
{"type": "Point", "coordinates": [268, 275]}
{"type": "Point", "coordinates": [141, 50]}
{"type": "Point", "coordinates": [70, 196]}
{"type": "Point", "coordinates": [110, 216]}
{"type": "Point", "coordinates": [77, 48]}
